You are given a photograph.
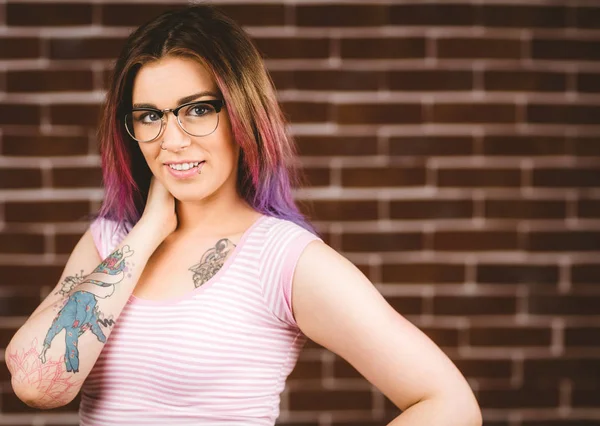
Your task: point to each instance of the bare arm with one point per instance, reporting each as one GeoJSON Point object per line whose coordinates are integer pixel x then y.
{"type": "Point", "coordinates": [336, 306]}
{"type": "Point", "coordinates": [51, 355]}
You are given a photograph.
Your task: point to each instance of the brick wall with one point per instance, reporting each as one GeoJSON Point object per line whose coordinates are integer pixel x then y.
{"type": "Point", "coordinates": [453, 156]}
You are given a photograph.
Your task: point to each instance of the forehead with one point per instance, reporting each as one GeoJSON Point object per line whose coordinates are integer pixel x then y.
{"type": "Point", "coordinates": [164, 81]}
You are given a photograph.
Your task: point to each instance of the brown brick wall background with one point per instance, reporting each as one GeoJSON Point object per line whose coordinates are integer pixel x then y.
{"type": "Point", "coordinates": [453, 152]}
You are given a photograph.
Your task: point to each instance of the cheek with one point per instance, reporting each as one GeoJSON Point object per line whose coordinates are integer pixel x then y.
{"type": "Point", "coordinates": [150, 157]}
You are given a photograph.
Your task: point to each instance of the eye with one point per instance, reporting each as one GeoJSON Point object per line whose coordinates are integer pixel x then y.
{"type": "Point", "coordinates": [198, 110]}
{"type": "Point", "coordinates": [146, 117]}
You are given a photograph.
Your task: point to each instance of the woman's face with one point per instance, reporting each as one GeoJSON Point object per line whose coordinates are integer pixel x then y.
{"type": "Point", "coordinates": [164, 84]}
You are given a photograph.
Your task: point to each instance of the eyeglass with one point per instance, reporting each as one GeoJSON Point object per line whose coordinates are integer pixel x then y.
{"type": "Point", "coordinates": [198, 118]}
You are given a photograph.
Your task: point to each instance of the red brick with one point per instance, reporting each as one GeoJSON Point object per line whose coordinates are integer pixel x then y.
{"type": "Point", "coordinates": [588, 82]}
{"type": "Point", "coordinates": [479, 177]}
{"type": "Point", "coordinates": [518, 336]}
{"type": "Point", "coordinates": [420, 14]}
{"type": "Point", "coordinates": [484, 240]}
{"type": "Point", "coordinates": [28, 276]}
{"type": "Point", "coordinates": [568, 240]}
{"type": "Point", "coordinates": [585, 50]}
{"type": "Point", "coordinates": [473, 113]}
{"type": "Point", "coordinates": [344, 370]}
{"type": "Point", "coordinates": [485, 368]}
{"type": "Point", "coordinates": [561, 177]}
{"type": "Point", "coordinates": [49, 81]}
{"type": "Point", "coordinates": [585, 146]}
{"type": "Point", "coordinates": [332, 145]}
{"type": "Point", "coordinates": [525, 81]}
{"type": "Point", "coordinates": [583, 273]}
{"type": "Point", "coordinates": [541, 304]}
{"type": "Point", "coordinates": [136, 14]}
{"type": "Point", "coordinates": [379, 113]}
{"type": "Point", "coordinates": [479, 48]}
{"type": "Point", "coordinates": [382, 241]}
{"type": "Point", "coordinates": [588, 208]}
{"type": "Point", "coordinates": [317, 176]}
{"type": "Point", "coordinates": [431, 209]}
{"type": "Point", "coordinates": [382, 48]}
{"type": "Point", "coordinates": [474, 305]}
{"type": "Point", "coordinates": [19, 47]}
{"type": "Point", "coordinates": [525, 209]}
{"type": "Point", "coordinates": [16, 242]}
{"type": "Point", "coordinates": [11, 178]}
{"type": "Point", "coordinates": [523, 145]}
{"type": "Point", "coordinates": [587, 17]}
{"type": "Point", "coordinates": [44, 145]}
{"type": "Point", "coordinates": [45, 14]}
{"type": "Point", "coordinates": [345, 210]}
{"type": "Point", "coordinates": [581, 336]}
{"type": "Point", "coordinates": [424, 80]}
{"type": "Point", "coordinates": [256, 14]}
{"type": "Point", "coordinates": [563, 114]}
{"type": "Point", "coordinates": [517, 398]}
{"type": "Point", "coordinates": [503, 273]}
{"type": "Point", "coordinates": [574, 420]}
{"type": "Point", "coordinates": [6, 334]}
{"type": "Point", "coordinates": [423, 273]}
{"type": "Point", "coordinates": [77, 177]}
{"type": "Point", "coordinates": [342, 15]}
{"type": "Point", "coordinates": [318, 399]}
{"type": "Point", "coordinates": [86, 48]}
{"type": "Point", "coordinates": [133, 15]}
{"type": "Point", "coordinates": [71, 114]}
{"type": "Point", "coordinates": [305, 369]}
{"type": "Point", "coordinates": [306, 112]}
{"type": "Point", "coordinates": [383, 177]}
{"type": "Point", "coordinates": [18, 305]}
{"type": "Point", "coordinates": [65, 243]}
{"type": "Point", "coordinates": [443, 337]}
{"type": "Point", "coordinates": [48, 211]}
{"type": "Point", "coordinates": [549, 371]}
{"type": "Point", "coordinates": [297, 47]}
{"type": "Point", "coordinates": [585, 398]}
{"type": "Point", "coordinates": [281, 79]}
{"type": "Point", "coordinates": [407, 305]}
{"type": "Point", "coordinates": [338, 80]}
{"type": "Point", "coordinates": [20, 114]}
{"type": "Point", "coordinates": [524, 16]}
{"type": "Point", "coordinates": [425, 146]}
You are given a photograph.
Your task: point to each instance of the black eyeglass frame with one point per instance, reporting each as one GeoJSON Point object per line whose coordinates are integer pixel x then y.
{"type": "Point", "coordinates": [217, 104]}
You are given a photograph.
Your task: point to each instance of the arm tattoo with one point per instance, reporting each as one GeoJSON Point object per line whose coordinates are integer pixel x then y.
{"type": "Point", "coordinates": [70, 282]}
{"type": "Point", "coordinates": [211, 262]}
{"type": "Point", "coordinates": [48, 378]}
{"type": "Point", "coordinates": [80, 313]}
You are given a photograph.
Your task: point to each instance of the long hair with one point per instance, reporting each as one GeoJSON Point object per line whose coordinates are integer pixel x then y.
{"type": "Point", "coordinates": [267, 169]}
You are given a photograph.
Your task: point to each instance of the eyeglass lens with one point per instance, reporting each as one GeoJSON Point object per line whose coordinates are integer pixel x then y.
{"type": "Point", "coordinates": [198, 119]}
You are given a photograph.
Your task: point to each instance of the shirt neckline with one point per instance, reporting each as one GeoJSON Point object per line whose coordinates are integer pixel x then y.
{"type": "Point", "coordinates": [174, 300]}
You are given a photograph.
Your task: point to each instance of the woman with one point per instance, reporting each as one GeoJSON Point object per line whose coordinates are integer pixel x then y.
{"type": "Point", "coordinates": [205, 278]}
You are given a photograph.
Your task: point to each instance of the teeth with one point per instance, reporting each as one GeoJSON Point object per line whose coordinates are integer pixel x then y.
{"type": "Point", "coordinates": [184, 166]}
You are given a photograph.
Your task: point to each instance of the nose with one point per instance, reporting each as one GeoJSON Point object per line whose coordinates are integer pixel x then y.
{"type": "Point", "coordinates": [173, 137]}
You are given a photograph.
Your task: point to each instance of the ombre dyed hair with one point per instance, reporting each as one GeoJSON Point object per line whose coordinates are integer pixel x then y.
{"type": "Point", "coordinates": [267, 169]}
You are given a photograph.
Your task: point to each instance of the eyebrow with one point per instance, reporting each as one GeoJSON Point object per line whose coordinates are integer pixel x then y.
{"type": "Point", "coordinates": [183, 100]}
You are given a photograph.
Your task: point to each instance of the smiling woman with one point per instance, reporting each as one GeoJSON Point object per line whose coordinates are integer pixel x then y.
{"type": "Point", "coordinates": [206, 280]}
{"type": "Point", "coordinates": [199, 116]}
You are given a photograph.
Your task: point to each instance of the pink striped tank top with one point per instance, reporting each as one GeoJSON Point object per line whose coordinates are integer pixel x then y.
{"type": "Point", "coordinates": [219, 355]}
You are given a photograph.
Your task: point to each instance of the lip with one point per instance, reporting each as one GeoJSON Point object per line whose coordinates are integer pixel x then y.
{"type": "Point", "coordinates": [182, 162]}
{"type": "Point", "coordinates": [185, 174]}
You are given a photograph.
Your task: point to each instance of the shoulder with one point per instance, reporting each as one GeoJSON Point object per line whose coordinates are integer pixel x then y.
{"type": "Point", "coordinates": [286, 239]}
{"type": "Point", "coordinates": [279, 229]}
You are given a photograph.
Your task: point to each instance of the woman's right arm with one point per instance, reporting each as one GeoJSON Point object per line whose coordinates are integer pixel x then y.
{"type": "Point", "coordinates": [53, 352]}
